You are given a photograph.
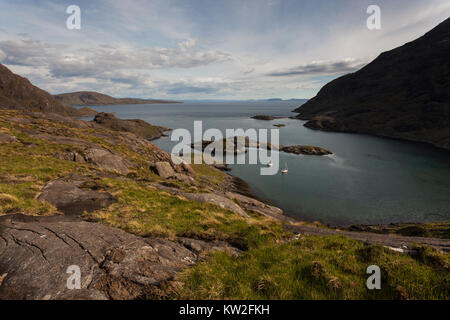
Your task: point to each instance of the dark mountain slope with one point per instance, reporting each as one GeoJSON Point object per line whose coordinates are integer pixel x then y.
{"type": "Point", "coordinates": [404, 93]}
{"type": "Point", "coordinates": [18, 93]}
{"type": "Point", "coordinates": [90, 98]}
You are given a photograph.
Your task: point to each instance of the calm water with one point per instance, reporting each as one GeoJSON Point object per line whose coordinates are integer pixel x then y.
{"type": "Point", "coordinates": [367, 180]}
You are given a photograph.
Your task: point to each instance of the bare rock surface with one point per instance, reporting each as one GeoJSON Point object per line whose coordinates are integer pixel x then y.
{"type": "Point", "coordinates": [35, 253]}
{"type": "Point", "coordinates": [218, 200]}
{"type": "Point", "coordinates": [107, 160]}
{"type": "Point", "coordinates": [164, 169]}
{"type": "Point", "coordinates": [306, 150]}
{"type": "Point", "coordinates": [250, 204]}
{"type": "Point", "coordinates": [68, 198]}
{"type": "Point", "coordinates": [7, 138]}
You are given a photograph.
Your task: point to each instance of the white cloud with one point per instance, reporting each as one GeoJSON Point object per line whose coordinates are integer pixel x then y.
{"type": "Point", "coordinates": [322, 67]}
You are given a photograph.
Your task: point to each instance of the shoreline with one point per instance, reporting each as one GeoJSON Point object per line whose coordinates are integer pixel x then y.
{"type": "Point", "coordinates": [242, 187]}
{"type": "Point", "coordinates": [419, 142]}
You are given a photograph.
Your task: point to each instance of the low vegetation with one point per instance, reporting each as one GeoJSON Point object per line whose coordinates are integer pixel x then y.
{"type": "Point", "coordinates": [319, 268]}
{"type": "Point", "coordinates": [273, 265]}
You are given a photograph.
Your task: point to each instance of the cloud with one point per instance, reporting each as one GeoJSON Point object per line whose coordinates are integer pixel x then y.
{"type": "Point", "coordinates": [23, 52]}
{"type": "Point", "coordinates": [321, 68]}
{"type": "Point", "coordinates": [90, 62]}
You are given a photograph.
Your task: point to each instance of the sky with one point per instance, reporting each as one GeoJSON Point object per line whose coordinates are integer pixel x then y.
{"type": "Point", "coordinates": [204, 49]}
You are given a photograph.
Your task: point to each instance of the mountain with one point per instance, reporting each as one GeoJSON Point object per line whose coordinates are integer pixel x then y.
{"type": "Point", "coordinates": [18, 93]}
{"type": "Point", "coordinates": [404, 93]}
{"type": "Point", "coordinates": [90, 98]}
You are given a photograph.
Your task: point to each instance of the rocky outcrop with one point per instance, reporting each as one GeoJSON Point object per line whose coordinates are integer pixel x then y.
{"type": "Point", "coordinates": [107, 160]}
{"type": "Point", "coordinates": [305, 150]}
{"type": "Point", "coordinates": [7, 138]}
{"type": "Point", "coordinates": [102, 158]}
{"type": "Point", "coordinates": [136, 126]}
{"type": "Point", "coordinates": [187, 168]}
{"type": "Point", "coordinates": [217, 200]}
{"type": "Point", "coordinates": [240, 145]}
{"type": "Point", "coordinates": [265, 117]}
{"type": "Point", "coordinates": [404, 93]}
{"type": "Point", "coordinates": [167, 170]}
{"type": "Point", "coordinates": [36, 252]}
{"type": "Point", "coordinates": [68, 198]}
{"type": "Point", "coordinates": [86, 112]}
{"type": "Point", "coordinates": [70, 156]}
{"type": "Point", "coordinates": [164, 169]}
{"type": "Point", "coordinates": [253, 205]}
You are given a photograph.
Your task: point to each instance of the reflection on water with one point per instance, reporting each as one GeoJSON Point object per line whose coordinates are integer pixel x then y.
{"type": "Point", "coordinates": [366, 180]}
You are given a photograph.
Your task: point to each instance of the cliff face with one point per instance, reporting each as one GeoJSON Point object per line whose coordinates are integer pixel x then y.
{"type": "Point", "coordinates": [89, 98]}
{"type": "Point", "coordinates": [18, 93]}
{"type": "Point", "coordinates": [404, 93]}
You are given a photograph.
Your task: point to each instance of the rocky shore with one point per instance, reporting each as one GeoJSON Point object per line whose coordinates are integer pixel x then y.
{"type": "Point", "coordinates": [240, 145]}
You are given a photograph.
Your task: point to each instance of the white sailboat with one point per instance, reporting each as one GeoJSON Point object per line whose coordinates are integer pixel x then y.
{"type": "Point", "coordinates": [270, 164]}
{"type": "Point", "coordinates": [285, 170]}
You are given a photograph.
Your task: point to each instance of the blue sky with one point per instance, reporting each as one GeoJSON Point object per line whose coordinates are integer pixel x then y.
{"type": "Point", "coordinates": [204, 49]}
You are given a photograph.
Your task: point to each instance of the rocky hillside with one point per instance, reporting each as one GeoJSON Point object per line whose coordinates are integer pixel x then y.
{"type": "Point", "coordinates": [136, 126]}
{"type": "Point", "coordinates": [18, 93]}
{"type": "Point", "coordinates": [139, 226]}
{"type": "Point", "coordinates": [404, 93]}
{"type": "Point", "coordinates": [89, 98]}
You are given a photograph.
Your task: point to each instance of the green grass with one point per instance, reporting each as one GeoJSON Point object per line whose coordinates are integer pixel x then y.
{"type": "Point", "coordinates": [270, 267]}
{"type": "Point", "coordinates": [24, 169]}
{"type": "Point", "coordinates": [147, 211]}
{"type": "Point", "coordinates": [318, 268]}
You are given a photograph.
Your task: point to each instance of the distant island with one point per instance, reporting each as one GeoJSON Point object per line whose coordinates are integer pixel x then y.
{"type": "Point", "coordinates": [91, 98]}
{"type": "Point", "coordinates": [404, 93]}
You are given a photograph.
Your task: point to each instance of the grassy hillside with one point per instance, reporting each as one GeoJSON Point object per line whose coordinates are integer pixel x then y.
{"type": "Point", "coordinates": [274, 264]}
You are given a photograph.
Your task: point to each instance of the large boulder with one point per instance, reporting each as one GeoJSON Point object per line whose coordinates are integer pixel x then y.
{"type": "Point", "coordinates": [164, 169]}
{"type": "Point", "coordinates": [107, 160]}
{"type": "Point", "coordinates": [253, 205]}
{"type": "Point", "coordinates": [217, 200]}
{"type": "Point", "coordinates": [7, 138]}
{"type": "Point", "coordinates": [36, 252]}
{"type": "Point", "coordinates": [68, 198]}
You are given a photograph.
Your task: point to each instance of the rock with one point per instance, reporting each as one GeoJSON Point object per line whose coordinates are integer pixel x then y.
{"type": "Point", "coordinates": [86, 112]}
{"type": "Point", "coordinates": [306, 150]}
{"type": "Point", "coordinates": [163, 169]}
{"type": "Point", "coordinates": [70, 156]}
{"type": "Point", "coordinates": [187, 168]}
{"type": "Point", "coordinates": [199, 247]}
{"type": "Point", "coordinates": [265, 117]}
{"type": "Point", "coordinates": [7, 138]}
{"type": "Point", "coordinates": [250, 204]}
{"type": "Point", "coordinates": [218, 200]}
{"type": "Point", "coordinates": [136, 126]}
{"type": "Point", "coordinates": [71, 200]}
{"type": "Point", "coordinates": [222, 167]}
{"type": "Point", "coordinates": [107, 160]}
{"type": "Point", "coordinates": [414, 231]}
{"type": "Point", "coordinates": [35, 253]}
{"type": "Point", "coordinates": [183, 178]}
